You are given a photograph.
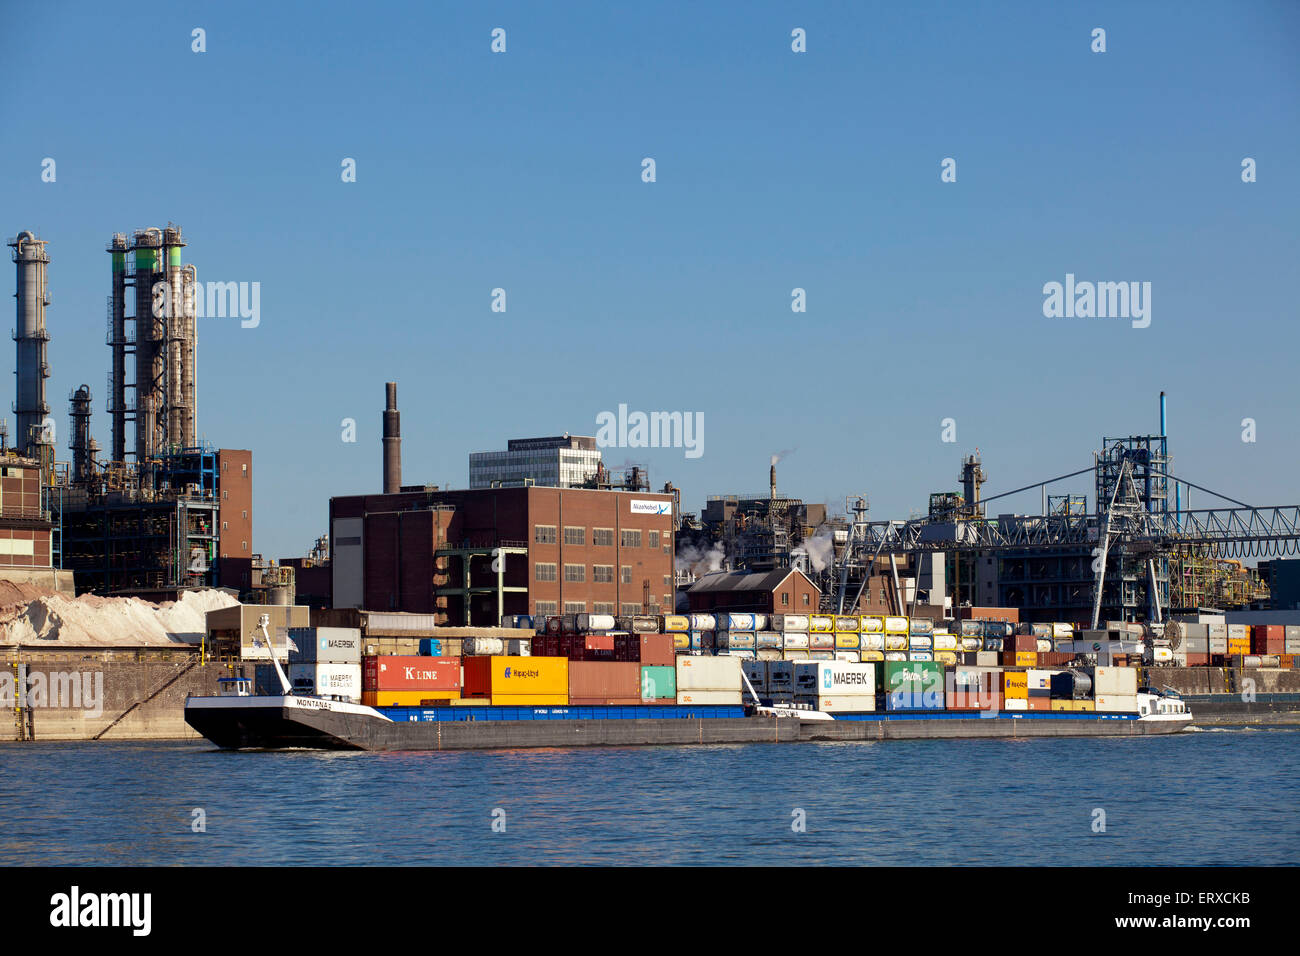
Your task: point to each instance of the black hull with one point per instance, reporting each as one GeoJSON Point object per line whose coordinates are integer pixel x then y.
{"type": "Point", "coordinates": [277, 727]}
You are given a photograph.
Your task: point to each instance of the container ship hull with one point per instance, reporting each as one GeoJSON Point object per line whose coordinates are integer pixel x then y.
{"type": "Point", "coordinates": [295, 722]}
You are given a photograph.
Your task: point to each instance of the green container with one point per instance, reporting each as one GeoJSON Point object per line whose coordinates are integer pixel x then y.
{"type": "Point", "coordinates": [912, 675]}
{"type": "Point", "coordinates": [658, 682]}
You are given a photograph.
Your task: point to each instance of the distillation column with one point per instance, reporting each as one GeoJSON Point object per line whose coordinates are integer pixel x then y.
{"type": "Point", "coordinates": [31, 366]}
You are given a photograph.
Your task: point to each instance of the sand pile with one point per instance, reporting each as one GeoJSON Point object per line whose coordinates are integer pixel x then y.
{"type": "Point", "coordinates": [109, 622]}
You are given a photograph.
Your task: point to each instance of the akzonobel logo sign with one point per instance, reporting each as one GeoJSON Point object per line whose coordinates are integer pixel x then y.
{"type": "Point", "coordinates": [641, 506]}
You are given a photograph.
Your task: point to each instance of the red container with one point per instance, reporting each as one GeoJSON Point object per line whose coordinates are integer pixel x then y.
{"type": "Point", "coordinates": [1011, 614]}
{"type": "Point", "coordinates": [393, 672]}
{"type": "Point", "coordinates": [478, 677]}
{"type": "Point", "coordinates": [1040, 703]}
{"type": "Point", "coordinates": [627, 648]}
{"type": "Point", "coordinates": [599, 642]}
{"type": "Point", "coordinates": [1198, 660]}
{"type": "Point", "coordinates": [656, 649]}
{"type": "Point", "coordinates": [604, 682]}
{"type": "Point", "coordinates": [1020, 642]}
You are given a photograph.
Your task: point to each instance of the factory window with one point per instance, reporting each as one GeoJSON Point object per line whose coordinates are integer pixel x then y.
{"type": "Point", "coordinates": [805, 600]}
{"type": "Point", "coordinates": [245, 469]}
{"type": "Point", "coordinates": [575, 607]}
{"type": "Point", "coordinates": [652, 539]}
{"type": "Point", "coordinates": [245, 545]}
{"type": "Point", "coordinates": [575, 535]}
{"type": "Point", "coordinates": [630, 609]}
{"type": "Point", "coordinates": [666, 551]}
{"type": "Point", "coordinates": [602, 574]}
{"type": "Point", "coordinates": [668, 579]}
{"type": "Point", "coordinates": [603, 537]}
{"type": "Point", "coordinates": [225, 494]}
{"type": "Point", "coordinates": [225, 466]}
{"type": "Point", "coordinates": [245, 515]}
{"type": "Point", "coordinates": [575, 573]}
{"type": "Point", "coordinates": [599, 608]}
{"type": "Point", "coordinates": [627, 574]}
{"type": "Point", "coordinates": [785, 598]}
{"type": "Point", "coordinates": [668, 602]}
{"type": "Point", "coordinates": [225, 526]}
{"type": "Point", "coordinates": [545, 572]}
{"type": "Point", "coordinates": [544, 534]}
{"type": "Point", "coordinates": [544, 607]}
{"type": "Point", "coordinates": [631, 539]}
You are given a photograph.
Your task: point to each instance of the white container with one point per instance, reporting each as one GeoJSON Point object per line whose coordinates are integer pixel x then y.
{"type": "Point", "coordinates": [1038, 679]}
{"type": "Point", "coordinates": [1044, 645]}
{"type": "Point", "coordinates": [921, 656]}
{"type": "Point", "coordinates": [1117, 704]}
{"type": "Point", "coordinates": [703, 622]}
{"type": "Point", "coordinates": [1015, 703]}
{"type": "Point", "coordinates": [833, 704]}
{"type": "Point", "coordinates": [483, 647]}
{"type": "Point", "coordinates": [873, 624]}
{"type": "Point", "coordinates": [1163, 654]}
{"type": "Point", "coordinates": [325, 645]}
{"type": "Point", "coordinates": [594, 622]}
{"type": "Point", "coordinates": [896, 625]}
{"type": "Point", "coordinates": [708, 673]}
{"type": "Point", "coordinates": [327, 680]}
{"type": "Point", "coordinates": [765, 639]}
{"type": "Point", "coordinates": [848, 623]}
{"type": "Point", "coordinates": [821, 623]}
{"type": "Point", "coordinates": [835, 679]}
{"type": "Point", "coordinates": [872, 642]}
{"type": "Point", "coordinates": [746, 622]}
{"type": "Point", "coordinates": [896, 642]}
{"type": "Point", "coordinates": [851, 657]}
{"type": "Point", "coordinates": [945, 642]}
{"type": "Point", "coordinates": [769, 654]}
{"type": "Point", "coordinates": [821, 642]}
{"type": "Point", "coordinates": [790, 622]}
{"type": "Point", "coordinates": [821, 655]}
{"type": "Point", "coordinates": [895, 655]}
{"type": "Point", "coordinates": [744, 653]}
{"type": "Point", "coordinates": [1115, 682]}
{"type": "Point", "coordinates": [710, 697]}
{"type": "Point", "coordinates": [1063, 630]}
{"type": "Point", "coordinates": [796, 642]}
{"type": "Point", "coordinates": [795, 655]}
{"type": "Point", "coordinates": [519, 647]}
{"type": "Point", "coordinates": [920, 642]}
{"type": "Point", "coordinates": [756, 671]}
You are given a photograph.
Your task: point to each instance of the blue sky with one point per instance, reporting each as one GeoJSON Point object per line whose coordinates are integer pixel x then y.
{"type": "Point", "coordinates": [775, 170]}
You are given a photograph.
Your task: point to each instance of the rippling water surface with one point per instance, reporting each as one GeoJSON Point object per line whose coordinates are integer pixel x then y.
{"type": "Point", "coordinates": [1214, 797]}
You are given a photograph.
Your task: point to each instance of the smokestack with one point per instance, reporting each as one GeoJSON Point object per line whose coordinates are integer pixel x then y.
{"type": "Point", "coordinates": [771, 477]}
{"type": "Point", "coordinates": [392, 443]}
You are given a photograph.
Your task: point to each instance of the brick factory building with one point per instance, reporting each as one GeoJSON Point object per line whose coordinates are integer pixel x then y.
{"type": "Point", "coordinates": [565, 550]}
{"type": "Point", "coordinates": [781, 591]}
{"type": "Point", "coordinates": [24, 522]}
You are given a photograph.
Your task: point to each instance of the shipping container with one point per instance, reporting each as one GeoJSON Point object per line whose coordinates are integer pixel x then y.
{"type": "Point", "coordinates": [431, 647]}
{"type": "Point", "coordinates": [324, 645]}
{"type": "Point", "coordinates": [599, 622]}
{"type": "Point", "coordinates": [604, 682]}
{"type": "Point", "coordinates": [822, 642]}
{"type": "Point", "coordinates": [895, 655]}
{"type": "Point", "coordinates": [1025, 659]}
{"type": "Point", "coordinates": [656, 648]}
{"type": "Point", "coordinates": [852, 657]}
{"type": "Point", "coordinates": [873, 656]}
{"type": "Point", "coordinates": [768, 639]}
{"type": "Point", "coordinates": [848, 623]}
{"type": "Point", "coordinates": [847, 642]}
{"type": "Point", "coordinates": [835, 679]}
{"type": "Point", "coordinates": [795, 655]}
{"type": "Point", "coordinates": [873, 624]}
{"type": "Point", "coordinates": [708, 674]}
{"type": "Point", "coordinates": [407, 698]}
{"type": "Point", "coordinates": [896, 625]}
{"type": "Point", "coordinates": [896, 642]}
{"type": "Point", "coordinates": [948, 642]}
{"type": "Point", "coordinates": [1015, 685]}
{"type": "Point", "coordinates": [795, 641]}
{"type": "Point", "coordinates": [710, 697]}
{"type": "Point", "coordinates": [920, 642]}
{"type": "Point", "coordinates": [735, 640]}
{"type": "Point", "coordinates": [913, 685]}
{"type": "Point", "coordinates": [754, 671]}
{"type": "Point", "coordinates": [987, 658]}
{"type": "Point", "coordinates": [327, 679]}
{"type": "Point", "coordinates": [703, 622]}
{"type": "Point", "coordinates": [790, 622]}
{"type": "Point", "coordinates": [395, 672]}
{"type": "Point", "coordinates": [743, 622]}
{"type": "Point", "coordinates": [822, 655]}
{"type": "Point", "coordinates": [821, 623]}
{"type": "Point", "coordinates": [532, 700]}
{"type": "Point", "coordinates": [1114, 681]}
{"type": "Point", "coordinates": [1116, 704]}
{"type": "Point", "coordinates": [780, 677]}
{"type": "Point", "coordinates": [872, 642]}
{"type": "Point", "coordinates": [485, 647]}
{"type": "Point", "coordinates": [516, 676]}
{"type": "Point", "coordinates": [676, 622]}
{"type": "Point", "coordinates": [685, 642]}
{"type": "Point", "coordinates": [832, 704]}
{"type": "Point", "coordinates": [920, 626]}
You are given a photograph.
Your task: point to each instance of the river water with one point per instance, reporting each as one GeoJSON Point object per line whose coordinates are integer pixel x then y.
{"type": "Point", "coordinates": [1209, 797]}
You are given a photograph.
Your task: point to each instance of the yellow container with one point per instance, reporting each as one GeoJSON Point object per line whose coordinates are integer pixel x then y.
{"type": "Point", "coordinates": [1015, 686]}
{"type": "Point", "coordinates": [1065, 705]}
{"type": "Point", "coordinates": [896, 625]}
{"type": "Point", "coordinates": [530, 700]}
{"type": "Point", "coordinates": [847, 642]}
{"type": "Point", "coordinates": [872, 656]}
{"type": "Point", "coordinates": [946, 657]}
{"type": "Point", "coordinates": [1086, 704]}
{"type": "Point", "coordinates": [1026, 658]}
{"type": "Point", "coordinates": [681, 642]}
{"type": "Point", "coordinates": [676, 622]}
{"type": "Point", "coordinates": [873, 624]}
{"type": "Point", "coordinates": [515, 676]}
{"type": "Point", "coordinates": [405, 698]}
{"type": "Point", "coordinates": [848, 623]}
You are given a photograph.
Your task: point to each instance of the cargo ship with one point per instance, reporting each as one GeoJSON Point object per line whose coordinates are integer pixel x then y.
{"type": "Point", "coordinates": [840, 701]}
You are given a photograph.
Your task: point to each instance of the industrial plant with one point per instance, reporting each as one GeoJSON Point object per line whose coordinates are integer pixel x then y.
{"type": "Point", "coordinates": [165, 511]}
